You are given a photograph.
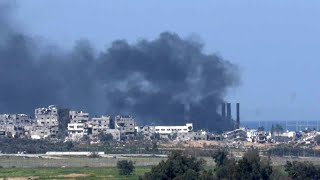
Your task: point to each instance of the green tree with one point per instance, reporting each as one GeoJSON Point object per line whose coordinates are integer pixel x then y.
{"type": "Point", "coordinates": [64, 119]}
{"type": "Point", "coordinates": [249, 167]}
{"type": "Point", "coordinates": [154, 147]}
{"type": "Point", "coordinates": [302, 170]}
{"type": "Point", "coordinates": [277, 129]}
{"type": "Point", "coordinates": [220, 157]}
{"type": "Point", "coordinates": [125, 167]}
{"type": "Point", "coordinates": [178, 166]}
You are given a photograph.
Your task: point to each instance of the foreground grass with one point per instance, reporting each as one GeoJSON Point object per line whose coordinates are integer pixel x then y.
{"type": "Point", "coordinates": [70, 173]}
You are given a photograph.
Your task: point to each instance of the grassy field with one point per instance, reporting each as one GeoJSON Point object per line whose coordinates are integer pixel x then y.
{"type": "Point", "coordinates": [69, 173]}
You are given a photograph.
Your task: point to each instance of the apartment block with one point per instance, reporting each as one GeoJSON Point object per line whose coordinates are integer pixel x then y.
{"type": "Point", "coordinates": [126, 125]}
{"type": "Point", "coordinates": [47, 117]}
{"type": "Point", "coordinates": [76, 130]}
{"type": "Point", "coordinates": [78, 117]}
{"type": "Point", "coordinates": [99, 125]}
{"type": "Point", "coordinates": [15, 119]}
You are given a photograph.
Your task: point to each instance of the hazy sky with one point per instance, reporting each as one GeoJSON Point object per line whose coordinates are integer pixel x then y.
{"type": "Point", "coordinates": [275, 43]}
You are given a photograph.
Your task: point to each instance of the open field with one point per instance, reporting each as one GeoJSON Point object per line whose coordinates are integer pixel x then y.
{"type": "Point", "coordinates": [35, 161]}
{"type": "Point", "coordinates": [68, 173]}
{"type": "Point", "coordinates": [72, 161]}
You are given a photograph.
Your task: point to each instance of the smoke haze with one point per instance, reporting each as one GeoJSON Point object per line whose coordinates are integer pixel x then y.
{"type": "Point", "coordinates": [168, 80]}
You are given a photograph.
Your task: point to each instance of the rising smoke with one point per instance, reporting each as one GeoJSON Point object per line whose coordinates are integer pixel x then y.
{"type": "Point", "coordinates": [168, 80]}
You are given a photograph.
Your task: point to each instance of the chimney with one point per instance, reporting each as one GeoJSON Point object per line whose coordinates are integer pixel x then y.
{"type": "Point", "coordinates": [238, 116]}
{"type": "Point", "coordinates": [223, 110]}
{"type": "Point", "coordinates": [229, 111]}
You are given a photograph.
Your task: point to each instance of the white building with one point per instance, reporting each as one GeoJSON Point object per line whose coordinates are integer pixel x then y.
{"type": "Point", "coordinates": [173, 129]}
{"type": "Point", "coordinates": [163, 130]}
{"type": "Point", "coordinates": [76, 130]}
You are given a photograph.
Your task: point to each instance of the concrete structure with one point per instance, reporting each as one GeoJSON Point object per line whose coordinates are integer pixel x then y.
{"type": "Point", "coordinates": [39, 132]}
{"type": "Point", "coordinates": [172, 129]}
{"type": "Point", "coordinates": [188, 136]}
{"type": "Point", "coordinates": [238, 117]}
{"type": "Point", "coordinates": [126, 125]}
{"type": "Point", "coordinates": [72, 153]}
{"type": "Point", "coordinates": [47, 123]}
{"type": "Point", "coordinates": [99, 125]}
{"type": "Point", "coordinates": [15, 119]}
{"type": "Point", "coordinates": [78, 117]}
{"type": "Point", "coordinates": [179, 132]}
{"type": "Point", "coordinates": [8, 130]}
{"type": "Point", "coordinates": [115, 134]}
{"type": "Point", "coordinates": [76, 130]}
{"type": "Point", "coordinates": [47, 117]}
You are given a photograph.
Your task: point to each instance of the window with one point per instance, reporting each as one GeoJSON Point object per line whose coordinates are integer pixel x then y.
{"type": "Point", "coordinates": [157, 129]}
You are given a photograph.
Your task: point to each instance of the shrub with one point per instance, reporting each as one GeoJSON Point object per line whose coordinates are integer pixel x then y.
{"type": "Point", "coordinates": [94, 155]}
{"type": "Point", "coordinates": [178, 166]}
{"type": "Point", "coordinates": [249, 167]}
{"type": "Point", "coordinates": [125, 167]}
{"type": "Point", "coordinates": [302, 170]}
{"type": "Point", "coordinates": [105, 137]}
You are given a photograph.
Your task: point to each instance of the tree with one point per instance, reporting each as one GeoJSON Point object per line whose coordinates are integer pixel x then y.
{"type": "Point", "coordinates": [277, 129]}
{"type": "Point", "coordinates": [261, 128]}
{"type": "Point", "coordinates": [154, 147]}
{"type": "Point", "coordinates": [220, 157]}
{"type": "Point", "coordinates": [125, 167]}
{"type": "Point", "coordinates": [64, 119]}
{"type": "Point", "coordinates": [178, 166]}
{"type": "Point", "coordinates": [302, 170]}
{"type": "Point", "coordinates": [249, 167]}
{"type": "Point", "coordinates": [94, 155]}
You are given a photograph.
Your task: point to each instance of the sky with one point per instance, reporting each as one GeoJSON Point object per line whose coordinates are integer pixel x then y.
{"type": "Point", "coordinates": [274, 43]}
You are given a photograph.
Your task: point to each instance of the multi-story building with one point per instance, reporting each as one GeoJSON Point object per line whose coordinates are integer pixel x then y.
{"type": "Point", "coordinates": [165, 130]}
{"type": "Point", "coordinates": [47, 117]}
{"type": "Point", "coordinates": [76, 130]}
{"type": "Point", "coordinates": [78, 117]}
{"type": "Point", "coordinates": [47, 123]}
{"type": "Point", "coordinates": [99, 125]}
{"type": "Point", "coordinates": [40, 132]}
{"type": "Point", "coordinates": [126, 125]}
{"type": "Point", "coordinates": [77, 127]}
{"type": "Point", "coordinates": [8, 130]}
{"type": "Point", "coordinates": [15, 119]}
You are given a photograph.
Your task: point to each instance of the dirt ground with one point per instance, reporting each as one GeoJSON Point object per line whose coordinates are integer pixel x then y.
{"type": "Point", "coordinates": [73, 175]}
{"type": "Point", "coordinates": [20, 178]}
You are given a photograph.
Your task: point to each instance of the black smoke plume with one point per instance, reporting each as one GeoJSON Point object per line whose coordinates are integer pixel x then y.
{"type": "Point", "coordinates": [168, 80]}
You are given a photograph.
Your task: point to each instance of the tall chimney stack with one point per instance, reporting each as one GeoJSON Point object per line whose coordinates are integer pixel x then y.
{"type": "Point", "coordinates": [229, 111]}
{"type": "Point", "coordinates": [223, 110]}
{"type": "Point", "coordinates": [238, 116]}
